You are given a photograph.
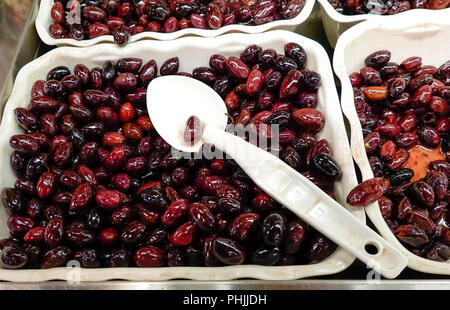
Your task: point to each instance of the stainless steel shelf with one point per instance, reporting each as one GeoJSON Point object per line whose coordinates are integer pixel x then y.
{"type": "Point", "coordinates": [238, 285]}
{"type": "Point", "coordinates": [25, 44]}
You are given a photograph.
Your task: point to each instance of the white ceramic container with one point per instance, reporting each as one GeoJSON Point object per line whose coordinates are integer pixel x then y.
{"type": "Point", "coordinates": [335, 23]}
{"type": "Point", "coordinates": [43, 21]}
{"type": "Point", "coordinates": [404, 35]}
{"type": "Point", "coordinates": [193, 52]}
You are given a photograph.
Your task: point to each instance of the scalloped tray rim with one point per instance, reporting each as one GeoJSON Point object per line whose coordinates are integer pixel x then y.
{"type": "Point", "coordinates": [43, 21]}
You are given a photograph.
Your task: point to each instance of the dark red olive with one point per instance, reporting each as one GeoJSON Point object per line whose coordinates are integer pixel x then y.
{"type": "Point", "coordinates": [13, 200]}
{"type": "Point", "coordinates": [19, 225]}
{"type": "Point", "coordinates": [149, 256]}
{"type": "Point", "coordinates": [295, 236]}
{"type": "Point", "coordinates": [35, 207]}
{"type": "Point", "coordinates": [80, 237]}
{"type": "Point", "coordinates": [266, 257]}
{"type": "Point", "coordinates": [170, 66]}
{"type": "Point", "coordinates": [81, 197]}
{"type": "Point", "coordinates": [133, 232]}
{"type": "Point", "coordinates": [378, 58]}
{"type": "Point", "coordinates": [174, 213]}
{"type": "Point", "coordinates": [25, 186]}
{"type": "Point", "coordinates": [273, 229]}
{"type": "Point", "coordinates": [129, 64]}
{"type": "Point", "coordinates": [401, 176]}
{"type": "Point", "coordinates": [296, 52]}
{"type": "Point", "coordinates": [367, 192]}
{"type": "Point", "coordinates": [237, 67]}
{"type": "Point", "coordinates": [58, 73]}
{"type": "Point", "coordinates": [27, 119]}
{"type": "Point", "coordinates": [243, 226]}
{"type": "Point", "coordinates": [439, 182]}
{"type": "Point", "coordinates": [309, 119]}
{"type": "Point", "coordinates": [125, 82]}
{"type": "Point", "coordinates": [229, 205]}
{"type": "Point", "coordinates": [292, 9]}
{"type": "Point", "coordinates": [411, 235]}
{"type": "Point", "coordinates": [423, 193]}
{"type": "Point", "coordinates": [429, 136]}
{"type": "Point", "coordinates": [183, 235]}
{"type": "Point", "coordinates": [148, 73]}
{"type": "Point", "coordinates": [202, 215]}
{"type": "Point", "coordinates": [153, 197]}
{"type": "Point", "coordinates": [18, 161]}
{"type": "Point", "coordinates": [386, 206]}
{"type": "Point", "coordinates": [56, 257]}
{"type": "Point", "coordinates": [54, 233]}
{"type": "Point", "coordinates": [13, 258]}
{"type": "Point", "coordinates": [228, 251]}
{"type": "Point", "coordinates": [24, 144]}
{"type": "Point", "coordinates": [326, 166]}
{"type": "Point", "coordinates": [45, 185]}
{"type": "Point", "coordinates": [96, 76]}
{"type": "Point", "coordinates": [36, 166]}
{"type": "Point", "coordinates": [319, 248]}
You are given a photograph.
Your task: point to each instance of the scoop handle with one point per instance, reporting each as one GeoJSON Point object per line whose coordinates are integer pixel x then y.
{"type": "Point", "coordinates": [310, 203]}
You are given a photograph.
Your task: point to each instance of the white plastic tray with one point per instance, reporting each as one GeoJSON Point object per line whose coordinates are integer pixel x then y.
{"type": "Point", "coordinates": [43, 21]}
{"type": "Point", "coordinates": [405, 35]}
{"type": "Point", "coordinates": [335, 23]}
{"type": "Point", "coordinates": [193, 52]}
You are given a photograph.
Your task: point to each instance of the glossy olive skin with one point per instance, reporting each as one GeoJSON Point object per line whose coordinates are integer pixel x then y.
{"type": "Point", "coordinates": [125, 19]}
{"type": "Point", "coordinates": [228, 251]}
{"type": "Point", "coordinates": [274, 227]}
{"type": "Point", "coordinates": [13, 258]}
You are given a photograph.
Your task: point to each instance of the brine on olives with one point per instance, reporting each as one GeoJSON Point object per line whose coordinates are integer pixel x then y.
{"type": "Point", "coordinates": [404, 111]}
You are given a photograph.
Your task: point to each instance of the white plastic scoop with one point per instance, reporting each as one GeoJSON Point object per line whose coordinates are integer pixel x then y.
{"type": "Point", "coordinates": [171, 100]}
